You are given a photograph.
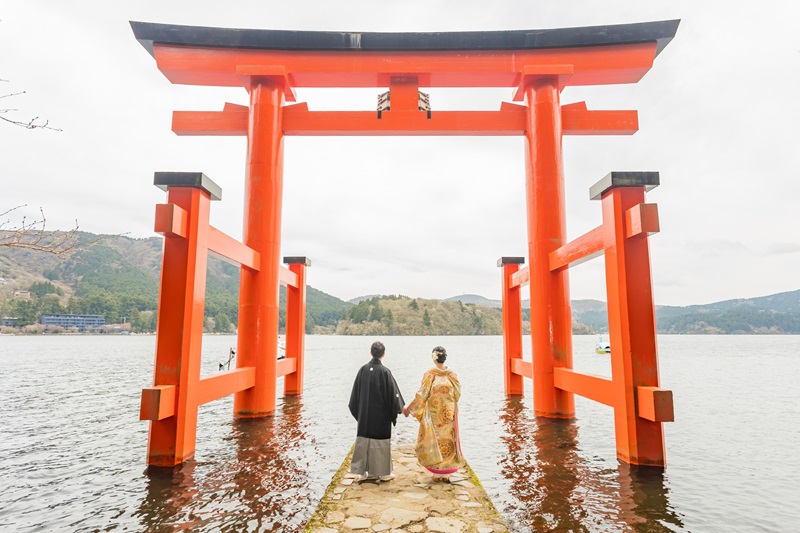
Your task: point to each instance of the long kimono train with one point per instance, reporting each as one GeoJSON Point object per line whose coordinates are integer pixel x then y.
{"type": "Point", "coordinates": [435, 405]}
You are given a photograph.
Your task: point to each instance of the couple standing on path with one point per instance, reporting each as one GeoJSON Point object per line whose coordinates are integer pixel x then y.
{"type": "Point", "coordinates": [375, 403]}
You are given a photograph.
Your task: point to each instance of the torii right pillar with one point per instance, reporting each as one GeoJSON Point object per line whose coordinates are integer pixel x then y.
{"type": "Point", "coordinates": [640, 406]}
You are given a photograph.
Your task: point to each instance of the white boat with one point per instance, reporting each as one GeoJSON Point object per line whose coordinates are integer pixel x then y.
{"type": "Point", "coordinates": [602, 346]}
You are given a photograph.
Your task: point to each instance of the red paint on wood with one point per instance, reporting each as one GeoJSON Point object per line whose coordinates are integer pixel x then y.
{"type": "Point", "coordinates": [258, 294]}
{"type": "Point", "coordinates": [294, 381]}
{"type": "Point", "coordinates": [171, 220]}
{"type": "Point", "coordinates": [655, 404]}
{"type": "Point", "coordinates": [641, 220]}
{"type": "Point", "coordinates": [597, 388]}
{"type": "Point", "coordinates": [158, 402]}
{"type": "Point", "coordinates": [551, 321]}
{"type": "Point", "coordinates": [512, 330]}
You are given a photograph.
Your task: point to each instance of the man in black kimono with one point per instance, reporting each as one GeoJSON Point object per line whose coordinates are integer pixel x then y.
{"type": "Point", "coordinates": [375, 403]}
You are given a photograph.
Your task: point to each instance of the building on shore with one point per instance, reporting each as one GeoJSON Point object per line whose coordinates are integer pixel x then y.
{"type": "Point", "coordinates": [81, 322]}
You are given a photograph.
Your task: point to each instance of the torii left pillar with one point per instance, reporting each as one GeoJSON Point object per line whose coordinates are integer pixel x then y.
{"type": "Point", "coordinates": [551, 324]}
{"type": "Point", "coordinates": [172, 403]}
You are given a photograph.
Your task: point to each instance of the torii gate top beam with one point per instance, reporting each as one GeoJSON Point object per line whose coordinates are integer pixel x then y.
{"type": "Point", "coordinates": [149, 34]}
{"type": "Point", "coordinates": [579, 56]}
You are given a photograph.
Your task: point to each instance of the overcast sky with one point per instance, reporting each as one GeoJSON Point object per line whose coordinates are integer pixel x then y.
{"type": "Point", "coordinates": [426, 217]}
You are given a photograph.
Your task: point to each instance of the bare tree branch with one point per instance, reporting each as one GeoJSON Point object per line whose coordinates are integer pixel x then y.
{"type": "Point", "coordinates": [30, 124]}
{"type": "Point", "coordinates": [35, 236]}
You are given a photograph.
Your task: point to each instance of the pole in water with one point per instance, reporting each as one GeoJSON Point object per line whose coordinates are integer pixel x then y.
{"type": "Point", "coordinates": [227, 365]}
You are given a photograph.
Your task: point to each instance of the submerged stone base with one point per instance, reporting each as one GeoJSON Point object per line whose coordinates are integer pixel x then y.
{"type": "Point", "coordinates": [411, 503]}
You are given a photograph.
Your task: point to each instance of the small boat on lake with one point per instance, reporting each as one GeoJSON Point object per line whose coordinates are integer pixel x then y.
{"type": "Point", "coordinates": [602, 346]}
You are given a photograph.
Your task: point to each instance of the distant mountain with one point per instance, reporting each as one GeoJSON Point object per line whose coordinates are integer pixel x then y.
{"type": "Point", "coordinates": [474, 299]}
{"type": "Point", "coordinates": [774, 314]}
{"type": "Point", "coordinates": [360, 299]}
{"type": "Point", "coordinates": [118, 277]}
{"type": "Point", "coordinates": [593, 313]}
{"type": "Point", "coordinates": [784, 302]}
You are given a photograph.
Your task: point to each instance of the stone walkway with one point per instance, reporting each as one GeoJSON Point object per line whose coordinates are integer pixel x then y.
{"type": "Point", "coordinates": [410, 503]}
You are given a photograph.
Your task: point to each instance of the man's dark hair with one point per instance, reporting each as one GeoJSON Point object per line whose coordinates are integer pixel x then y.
{"type": "Point", "coordinates": [377, 349]}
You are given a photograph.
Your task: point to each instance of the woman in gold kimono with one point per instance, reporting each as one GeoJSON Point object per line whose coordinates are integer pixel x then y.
{"type": "Point", "coordinates": [436, 407]}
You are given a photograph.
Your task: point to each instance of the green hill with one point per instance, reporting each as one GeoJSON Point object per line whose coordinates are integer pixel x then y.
{"type": "Point", "coordinates": [118, 277]}
{"type": "Point", "coordinates": [401, 315]}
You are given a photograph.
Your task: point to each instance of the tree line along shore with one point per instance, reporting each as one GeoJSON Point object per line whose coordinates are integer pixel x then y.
{"type": "Point", "coordinates": [117, 277]}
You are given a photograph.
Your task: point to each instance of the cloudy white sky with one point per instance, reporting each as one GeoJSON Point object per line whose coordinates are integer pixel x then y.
{"type": "Point", "coordinates": [425, 217]}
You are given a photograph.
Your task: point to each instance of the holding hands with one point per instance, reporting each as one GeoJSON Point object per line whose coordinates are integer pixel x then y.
{"type": "Point", "coordinates": [405, 411]}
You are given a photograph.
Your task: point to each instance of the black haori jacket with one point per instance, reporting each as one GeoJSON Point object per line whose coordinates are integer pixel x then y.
{"type": "Point", "coordinates": [375, 401]}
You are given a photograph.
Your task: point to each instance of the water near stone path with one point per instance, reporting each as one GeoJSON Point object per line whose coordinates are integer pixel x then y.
{"type": "Point", "coordinates": [72, 452]}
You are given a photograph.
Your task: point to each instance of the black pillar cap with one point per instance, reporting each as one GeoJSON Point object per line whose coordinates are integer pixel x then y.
{"type": "Point", "coordinates": [612, 180]}
{"type": "Point", "coordinates": [294, 260]}
{"type": "Point", "coordinates": [198, 180]}
{"type": "Point", "coordinates": [510, 261]}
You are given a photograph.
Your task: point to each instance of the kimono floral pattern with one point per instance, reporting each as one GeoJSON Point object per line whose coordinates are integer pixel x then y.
{"type": "Point", "coordinates": [436, 407]}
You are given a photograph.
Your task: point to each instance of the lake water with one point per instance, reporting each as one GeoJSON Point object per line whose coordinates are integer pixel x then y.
{"type": "Point", "coordinates": [72, 452]}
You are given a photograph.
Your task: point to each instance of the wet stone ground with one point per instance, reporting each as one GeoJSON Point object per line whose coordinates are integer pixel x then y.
{"type": "Point", "coordinates": [412, 502]}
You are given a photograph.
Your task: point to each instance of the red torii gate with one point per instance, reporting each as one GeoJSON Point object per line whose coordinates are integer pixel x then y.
{"type": "Point", "coordinates": [538, 65]}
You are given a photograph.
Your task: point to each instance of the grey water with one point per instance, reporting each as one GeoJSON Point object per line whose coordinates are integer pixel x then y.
{"type": "Point", "coordinates": [72, 451]}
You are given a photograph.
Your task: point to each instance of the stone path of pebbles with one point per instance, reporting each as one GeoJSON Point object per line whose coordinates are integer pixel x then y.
{"type": "Point", "coordinates": [411, 503]}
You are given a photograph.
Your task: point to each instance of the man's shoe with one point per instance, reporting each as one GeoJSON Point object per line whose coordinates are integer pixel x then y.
{"type": "Point", "coordinates": [387, 478]}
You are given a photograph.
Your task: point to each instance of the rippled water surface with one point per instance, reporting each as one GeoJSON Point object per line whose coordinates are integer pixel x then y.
{"type": "Point", "coordinates": [72, 453]}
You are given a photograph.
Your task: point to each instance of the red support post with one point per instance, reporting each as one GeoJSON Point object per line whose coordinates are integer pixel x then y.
{"type": "Point", "coordinates": [512, 325]}
{"type": "Point", "coordinates": [296, 324]}
{"type": "Point", "coordinates": [404, 94]}
{"type": "Point", "coordinates": [631, 319]}
{"type": "Point", "coordinates": [259, 291]}
{"type": "Point", "coordinates": [179, 330]}
{"type": "Point", "coordinates": [551, 321]}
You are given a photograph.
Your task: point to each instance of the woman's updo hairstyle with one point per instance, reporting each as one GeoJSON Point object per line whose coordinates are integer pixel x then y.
{"type": "Point", "coordinates": [439, 354]}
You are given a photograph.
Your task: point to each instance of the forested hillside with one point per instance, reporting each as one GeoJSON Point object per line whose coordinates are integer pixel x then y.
{"type": "Point", "coordinates": [118, 277]}
{"type": "Point", "coordinates": [774, 314]}
{"type": "Point", "coordinates": [401, 315]}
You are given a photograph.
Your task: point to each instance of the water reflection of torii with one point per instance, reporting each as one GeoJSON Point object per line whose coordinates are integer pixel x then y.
{"type": "Point", "coordinates": [554, 488]}
{"type": "Point", "coordinates": [266, 487]}
{"type": "Point", "coordinates": [269, 64]}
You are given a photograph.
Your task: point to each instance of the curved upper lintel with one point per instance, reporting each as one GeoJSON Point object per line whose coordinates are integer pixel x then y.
{"type": "Point", "coordinates": [148, 34]}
